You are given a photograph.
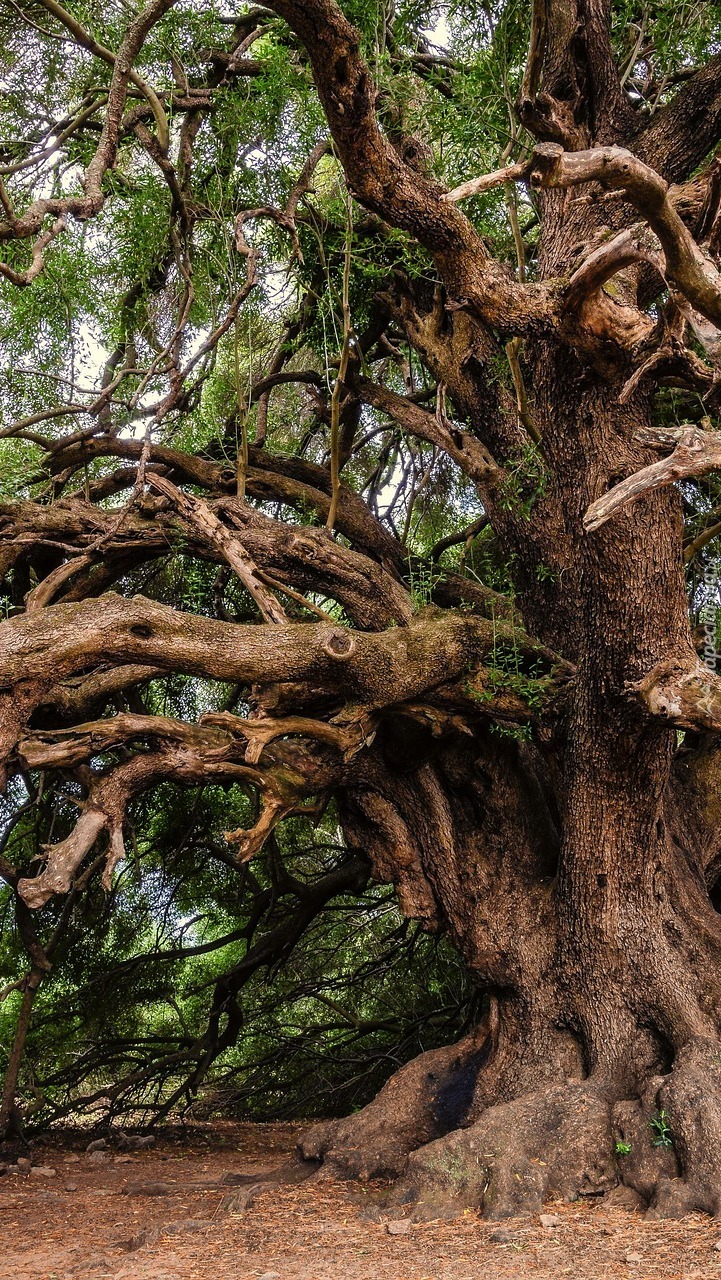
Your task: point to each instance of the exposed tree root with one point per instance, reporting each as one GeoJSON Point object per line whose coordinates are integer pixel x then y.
{"type": "Point", "coordinates": [691, 1098]}
{"type": "Point", "coordinates": [428, 1097]}
{"type": "Point", "coordinates": [555, 1142]}
{"type": "Point", "coordinates": [643, 1164]}
{"type": "Point", "coordinates": [565, 1141]}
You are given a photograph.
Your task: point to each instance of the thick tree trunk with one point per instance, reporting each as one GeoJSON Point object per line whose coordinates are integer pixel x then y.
{"type": "Point", "coordinates": [565, 870]}
{"type": "Point", "coordinates": [604, 990]}
{"type": "Point", "coordinates": [564, 874]}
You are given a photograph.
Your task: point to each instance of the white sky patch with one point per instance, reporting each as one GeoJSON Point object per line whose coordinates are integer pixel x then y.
{"type": "Point", "coordinates": [439, 34]}
{"type": "Point", "coordinates": [91, 357]}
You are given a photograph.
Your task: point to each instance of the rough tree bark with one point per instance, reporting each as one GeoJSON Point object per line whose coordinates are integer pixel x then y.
{"type": "Point", "coordinates": [574, 869]}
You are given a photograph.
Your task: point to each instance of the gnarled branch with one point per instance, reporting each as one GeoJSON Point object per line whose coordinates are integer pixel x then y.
{"type": "Point", "coordinates": [696, 453]}
{"type": "Point", "coordinates": [682, 691]}
{"type": "Point", "coordinates": [200, 515]}
{"type": "Point", "coordinates": [617, 169]}
{"type": "Point", "coordinates": [466, 449]}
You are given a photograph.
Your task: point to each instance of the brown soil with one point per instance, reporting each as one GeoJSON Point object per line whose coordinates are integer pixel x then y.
{"type": "Point", "coordinates": [94, 1220]}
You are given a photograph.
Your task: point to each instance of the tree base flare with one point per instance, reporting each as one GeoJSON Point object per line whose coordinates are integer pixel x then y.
{"type": "Point", "coordinates": [568, 1140]}
{"type": "Point", "coordinates": [519, 1154]}
{"type": "Point", "coordinates": [428, 1097]}
{"type": "Point", "coordinates": [691, 1098]}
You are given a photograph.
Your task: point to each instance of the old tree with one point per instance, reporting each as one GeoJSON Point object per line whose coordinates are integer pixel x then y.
{"type": "Point", "coordinates": [360, 366]}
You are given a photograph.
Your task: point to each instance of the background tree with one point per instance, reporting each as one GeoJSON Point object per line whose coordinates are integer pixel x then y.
{"type": "Point", "coordinates": [415, 497]}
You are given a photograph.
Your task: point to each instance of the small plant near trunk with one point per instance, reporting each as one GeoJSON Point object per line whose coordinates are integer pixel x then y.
{"type": "Point", "coordinates": [662, 1136]}
{"type": "Point", "coordinates": [422, 581]}
{"type": "Point", "coordinates": [623, 1148]}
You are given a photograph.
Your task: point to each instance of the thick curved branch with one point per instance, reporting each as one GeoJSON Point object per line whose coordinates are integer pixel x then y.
{"type": "Point", "coordinates": [218, 735]}
{"type": "Point", "coordinates": [86, 41]}
{"type": "Point", "coordinates": [38, 651]}
{"type": "Point", "coordinates": [78, 698]}
{"type": "Point", "coordinates": [385, 184]}
{"type": "Point", "coordinates": [377, 668]}
{"type": "Point", "coordinates": [271, 477]}
{"type": "Point", "coordinates": [466, 450]}
{"type": "Point", "coordinates": [685, 264]}
{"type": "Point", "coordinates": [23, 278]}
{"type": "Point", "coordinates": [222, 747]}
{"type": "Point", "coordinates": [67, 748]}
{"type": "Point", "coordinates": [697, 452]}
{"type": "Point", "coordinates": [371, 596]}
{"type": "Point", "coordinates": [348, 734]}
{"type": "Point", "coordinates": [616, 169]}
{"type": "Point", "coordinates": [630, 246]}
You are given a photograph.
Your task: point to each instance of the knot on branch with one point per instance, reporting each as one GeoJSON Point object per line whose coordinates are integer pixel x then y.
{"type": "Point", "coordinates": [338, 645]}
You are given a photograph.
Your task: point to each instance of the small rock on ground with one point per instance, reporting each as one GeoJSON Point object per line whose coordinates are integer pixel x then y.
{"type": "Point", "coordinates": [624, 1198]}
{"type": "Point", "coordinates": [399, 1228]}
{"type": "Point", "coordinates": [98, 1156]}
{"type": "Point", "coordinates": [549, 1220]}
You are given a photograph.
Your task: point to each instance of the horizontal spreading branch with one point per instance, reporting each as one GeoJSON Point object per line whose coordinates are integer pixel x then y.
{"type": "Point", "coordinates": [684, 692]}
{"type": "Point", "coordinates": [39, 650]}
{"type": "Point", "coordinates": [381, 668]}
{"type": "Point", "coordinates": [293, 556]}
{"type": "Point", "coordinates": [509, 174]}
{"type": "Point", "coordinates": [696, 453]}
{"type": "Point", "coordinates": [348, 734]}
{"type": "Point", "coordinates": [77, 698]}
{"type": "Point", "coordinates": [219, 735]}
{"type": "Point", "coordinates": [290, 777]}
{"type": "Point", "coordinates": [294, 481]}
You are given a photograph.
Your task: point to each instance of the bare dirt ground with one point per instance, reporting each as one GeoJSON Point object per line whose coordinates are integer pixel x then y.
{"type": "Point", "coordinates": [173, 1213]}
